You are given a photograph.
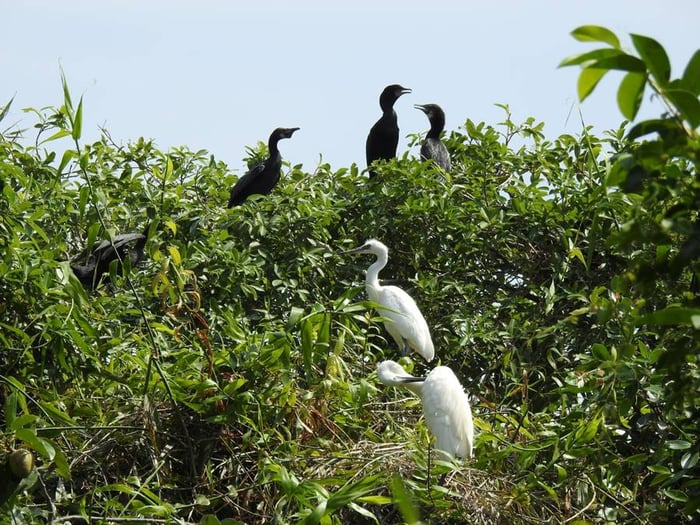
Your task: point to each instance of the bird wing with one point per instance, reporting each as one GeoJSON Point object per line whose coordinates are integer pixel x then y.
{"type": "Point", "coordinates": [405, 321]}
{"type": "Point", "coordinates": [105, 251]}
{"type": "Point", "coordinates": [434, 149]}
{"type": "Point", "coordinates": [241, 190]}
{"type": "Point", "coordinates": [447, 413]}
{"type": "Point", "coordinates": [382, 140]}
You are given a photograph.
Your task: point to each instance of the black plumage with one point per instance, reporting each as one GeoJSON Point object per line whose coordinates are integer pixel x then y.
{"type": "Point", "coordinates": [125, 245]}
{"type": "Point", "coordinates": [432, 147]}
{"type": "Point", "coordinates": [383, 138]}
{"type": "Point", "coordinates": [260, 179]}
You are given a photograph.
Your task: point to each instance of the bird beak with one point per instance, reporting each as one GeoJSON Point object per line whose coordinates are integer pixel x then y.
{"type": "Point", "coordinates": [410, 379]}
{"type": "Point", "coordinates": [405, 91]}
{"type": "Point", "coordinates": [419, 106]}
{"type": "Point", "coordinates": [354, 250]}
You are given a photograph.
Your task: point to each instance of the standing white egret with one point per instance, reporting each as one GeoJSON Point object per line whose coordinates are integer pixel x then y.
{"type": "Point", "coordinates": [404, 322]}
{"type": "Point", "coordinates": [445, 405]}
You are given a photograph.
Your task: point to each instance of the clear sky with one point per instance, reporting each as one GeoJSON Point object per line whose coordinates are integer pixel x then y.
{"type": "Point", "coordinates": [221, 75]}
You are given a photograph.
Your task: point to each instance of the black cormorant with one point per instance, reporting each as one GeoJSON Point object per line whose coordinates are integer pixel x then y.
{"type": "Point", "coordinates": [263, 177]}
{"type": "Point", "coordinates": [383, 138]}
{"type": "Point", "coordinates": [432, 147]}
{"type": "Point", "coordinates": [125, 245]}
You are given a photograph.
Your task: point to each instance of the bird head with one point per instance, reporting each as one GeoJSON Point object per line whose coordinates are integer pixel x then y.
{"type": "Point", "coordinates": [284, 133]}
{"type": "Point", "coordinates": [431, 110]}
{"type": "Point", "coordinates": [391, 373]}
{"type": "Point", "coordinates": [391, 94]}
{"type": "Point", "coordinates": [371, 246]}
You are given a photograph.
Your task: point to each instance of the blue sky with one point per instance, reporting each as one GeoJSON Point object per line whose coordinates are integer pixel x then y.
{"type": "Point", "coordinates": [220, 75]}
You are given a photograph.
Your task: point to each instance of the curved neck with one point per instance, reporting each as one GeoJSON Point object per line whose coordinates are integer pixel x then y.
{"type": "Point", "coordinates": [387, 104]}
{"type": "Point", "coordinates": [414, 386]}
{"type": "Point", "coordinates": [436, 127]}
{"type": "Point", "coordinates": [372, 280]}
{"type": "Point", "coordinates": [272, 146]}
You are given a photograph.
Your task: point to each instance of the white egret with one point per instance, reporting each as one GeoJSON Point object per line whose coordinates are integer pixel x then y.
{"type": "Point", "coordinates": [404, 322]}
{"type": "Point", "coordinates": [445, 405]}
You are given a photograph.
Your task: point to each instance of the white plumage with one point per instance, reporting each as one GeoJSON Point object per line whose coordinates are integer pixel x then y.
{"type": "Point", "coordinates": [445, 405]}
{"type": "Point", "coordinates": [404, 321]}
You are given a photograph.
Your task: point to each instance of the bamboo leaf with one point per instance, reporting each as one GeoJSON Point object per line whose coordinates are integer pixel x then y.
{"type": "Point", "coordinates": [78, 121]}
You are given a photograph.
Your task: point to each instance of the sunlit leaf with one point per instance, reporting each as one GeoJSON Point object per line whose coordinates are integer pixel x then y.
{"type": "Point", "coordinates": [688, 105]}
{"type": "Point", "coordinates": [588, 80]}
{"type": "Point", "coordinates": [691, 75]}
{"type": "Point", "coordinates": [593, 33]}
{"type": "Point", "coordinates": [654, 56]}
{"type": "Point", "coordinates": [78, 121]}
{"type": "Point", "coordinates": [590, 57]}
{"type": "Point", "coordinates": [630, 93]}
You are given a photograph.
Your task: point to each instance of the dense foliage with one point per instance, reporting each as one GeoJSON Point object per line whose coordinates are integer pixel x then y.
{"type": "Point", "coordinates": [230, 377]}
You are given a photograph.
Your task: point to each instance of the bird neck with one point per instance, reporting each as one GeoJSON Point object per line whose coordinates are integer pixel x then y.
{"type": "Point", "coordinates": [436, 127]}
{"type": "Point", "coordinates": [372, 280]}
{"type": "Point", "coordinates": [272, 148]}
{"type": "Point", "coordinates": [415, 387]}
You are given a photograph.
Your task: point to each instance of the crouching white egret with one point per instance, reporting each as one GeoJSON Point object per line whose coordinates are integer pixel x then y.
{"type": "Point", "coordinates": [404, 322]}
{"type": "Point", "coordinates": [445, 405]}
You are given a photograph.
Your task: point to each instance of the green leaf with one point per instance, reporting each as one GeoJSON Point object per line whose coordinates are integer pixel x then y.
{"type": "Point", "coordinates": [691, 75]}
{"type": "Point", "coordinates": [24, 420]}
{"type": "Point", "coordinates": [404, 501]}
{"type": "Point", "coordinates": [42, 446]}
{"type": "Point", "coordinates": [596, 34]}
{"type": "Point", "coordinates": [621, 62]}
{"type": "Point", "coordinates": [61, 463]}
{"type": "Point", "coordinates": [10, 410]}
{"type": "Point", "coordinates": [587, 81]}
{"type": "Point", "coordinates": [5, 109]}
{"type": "Point", "coordinates": [78, 121]}
{"type": "Point", "coordinates": [663, 127]}
{"type": "Point", "coordinates": [590, 56]}
{"type": "Point", "coordinates": [687, 104]}
{"type": "Point", "coordinates": [689, 460]}
{"type": "Point", "coordinates": [66, 94]}
{"type": "Point", "coordinates": [654, 56]}
{"type": "Point", "coordinates": [629, 94]}
{"type": "Point", "coordinates": [673, 316]}
{"type": "Point", "coordinates": [678, 444]}
{"type": "Point", "coordinates": [677, 495]}
{"type": "Point", "coordinates": [68, 155]}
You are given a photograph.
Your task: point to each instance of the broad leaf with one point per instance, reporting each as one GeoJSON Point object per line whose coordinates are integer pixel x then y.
{"type": "Point", "coordinates": [629, 94]}
{"type": "Point", "coordinates": [591, 56]}
{"type": "Point", "coordinates": [596, 34]}
{"type": "Point", "coordinates": [687, 104]}
{"type": "Point", "coordinates": [654, 56]}
{"type": "Point", "coordinates": [621, 62]}
{"type": "Point", "coordinates": [587, 81]}
{"type": "Point", "coordinates": [691, 75]}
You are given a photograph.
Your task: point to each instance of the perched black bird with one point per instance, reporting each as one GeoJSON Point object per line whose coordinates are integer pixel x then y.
{"type": "Point", "coordinates": [432, 147]}
{"type": "Point", "coordinates": [383, 138]}
{"type": "Point", "coordinates": [125, 245]}
{"type": "Point", "coordinates": [261, 178]}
